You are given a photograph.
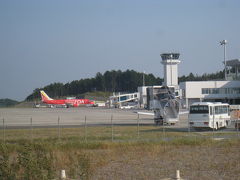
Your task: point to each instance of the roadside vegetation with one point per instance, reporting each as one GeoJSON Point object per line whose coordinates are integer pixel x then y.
{"type": "Point", "coordinates": [93, 153]}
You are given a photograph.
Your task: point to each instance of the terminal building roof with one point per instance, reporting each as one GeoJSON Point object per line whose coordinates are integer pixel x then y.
{"type": "Point", "coordinates": [233, 62]}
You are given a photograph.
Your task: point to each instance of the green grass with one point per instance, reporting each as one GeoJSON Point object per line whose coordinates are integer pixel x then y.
{"type": "Point", "coordinates": [109, 134]}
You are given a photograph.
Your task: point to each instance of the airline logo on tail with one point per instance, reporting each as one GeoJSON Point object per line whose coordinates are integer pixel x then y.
{"type": "Point", "coordinates": [44, 96]}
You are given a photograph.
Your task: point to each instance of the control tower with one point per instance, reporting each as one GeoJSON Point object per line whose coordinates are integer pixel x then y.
{"type": "Point", "coordinates": [170, 62]}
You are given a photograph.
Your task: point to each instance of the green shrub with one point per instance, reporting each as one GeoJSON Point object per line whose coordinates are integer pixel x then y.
{"type": "Point", "coordinates": [8, 168]}
{"type": "Point", "coordinates": [84, 168]}
{"type": "Point", "coordinates": [35, 162]}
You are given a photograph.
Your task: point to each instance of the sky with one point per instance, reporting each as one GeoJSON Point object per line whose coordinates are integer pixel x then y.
{"type": "Point", "coordinates": [43, 42]}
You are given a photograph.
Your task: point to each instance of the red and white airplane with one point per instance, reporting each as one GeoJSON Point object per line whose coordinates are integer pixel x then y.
{"type": "Point", "coordinates": [66, 102]}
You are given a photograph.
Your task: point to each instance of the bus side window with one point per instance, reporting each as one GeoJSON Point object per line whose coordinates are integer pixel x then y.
{"type": "Point", "coordinates": [211, 109]}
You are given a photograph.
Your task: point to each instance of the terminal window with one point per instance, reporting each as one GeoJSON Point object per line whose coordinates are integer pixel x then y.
{"type": "Point", "coordinates": [220, 90]}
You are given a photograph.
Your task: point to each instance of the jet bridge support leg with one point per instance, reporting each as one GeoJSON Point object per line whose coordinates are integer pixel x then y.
{"type": "Point", "coordinates": [159, 122]}
{"type": "Point", "coordinates": [158, 118]}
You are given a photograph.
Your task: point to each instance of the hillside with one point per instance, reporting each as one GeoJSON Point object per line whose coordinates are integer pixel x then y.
{"type": "Point", "coordinates": [7, 102]}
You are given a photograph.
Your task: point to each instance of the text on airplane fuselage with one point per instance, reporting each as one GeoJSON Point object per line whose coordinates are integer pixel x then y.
{"type": "Point", "coordinates": [75, 101]}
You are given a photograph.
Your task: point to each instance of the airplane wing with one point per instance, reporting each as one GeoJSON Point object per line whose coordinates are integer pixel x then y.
{"type": "Point", "coordinates": [145, 113]}
{"type": "Point", "coordinates": [152, 114]}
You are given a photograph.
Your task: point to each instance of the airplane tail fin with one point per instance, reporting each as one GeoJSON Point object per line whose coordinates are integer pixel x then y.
{"type": "Point", "coordinates": [45, 96]}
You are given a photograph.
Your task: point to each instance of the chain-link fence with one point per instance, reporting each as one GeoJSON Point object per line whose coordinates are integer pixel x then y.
{"type": "Point", "coordinates": [106, 126]}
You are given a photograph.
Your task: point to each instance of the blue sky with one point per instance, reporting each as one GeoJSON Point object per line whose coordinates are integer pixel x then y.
{"type": "Point", "coordinates": [42, 42]}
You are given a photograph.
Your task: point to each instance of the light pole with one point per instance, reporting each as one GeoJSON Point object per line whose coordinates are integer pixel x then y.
{"type": "Point", "coordinates": [171, 56]}
{"type": "Point", "coordinates": [143, 78]}
{"type": "Point", "coordinates": [223, 43]}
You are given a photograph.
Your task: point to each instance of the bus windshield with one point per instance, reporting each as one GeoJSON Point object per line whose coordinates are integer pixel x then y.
{"type": "Point", "coordinates": [199, 109]}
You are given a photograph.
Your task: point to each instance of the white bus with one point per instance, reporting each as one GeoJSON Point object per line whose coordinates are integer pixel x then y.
{"type": "Point", "coordinates": [209, 115]}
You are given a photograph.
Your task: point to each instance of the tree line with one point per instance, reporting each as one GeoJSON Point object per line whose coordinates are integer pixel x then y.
{"type": "Point", "coordinates": [113, 81]}
{"type": "Point", "coordinates": [110, 81]}
{"type": "Point", "coordinates": [205, 77]}
{"type": "Point", "coordinates": [7, 102]}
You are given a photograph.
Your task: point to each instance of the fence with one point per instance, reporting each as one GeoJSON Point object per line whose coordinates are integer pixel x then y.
{"type": "Point", "coordinates": [107, 128]}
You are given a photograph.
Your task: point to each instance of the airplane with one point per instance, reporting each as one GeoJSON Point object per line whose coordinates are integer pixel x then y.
{"type": "Point", "coordinates": [65, 102]}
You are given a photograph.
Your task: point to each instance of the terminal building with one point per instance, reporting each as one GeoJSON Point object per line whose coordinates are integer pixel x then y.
{"type": "Point", "coordinates": [227, 90]}
{"type": "Point", "coordinates": [210, 91]}
{"type": "Point", "coordinates": [214, 91]}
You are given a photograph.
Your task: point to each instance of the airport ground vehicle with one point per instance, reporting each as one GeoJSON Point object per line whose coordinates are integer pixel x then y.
{"type": "Point", "coordinates": [209, 115]}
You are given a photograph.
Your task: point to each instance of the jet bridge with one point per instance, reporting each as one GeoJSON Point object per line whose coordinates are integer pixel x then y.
{"type": "Point", "coordinates": [165, 105]}
{"type": "Point", "coordinates": [119, 100]}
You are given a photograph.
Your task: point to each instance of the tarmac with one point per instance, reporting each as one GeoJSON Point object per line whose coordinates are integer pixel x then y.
{"type": "Point", "coordinates": [50, 117]}
{"type": "Point", "coordinates": [18, 118]}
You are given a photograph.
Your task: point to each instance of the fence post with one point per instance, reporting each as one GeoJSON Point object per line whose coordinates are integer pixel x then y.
{"type": "Point", "coordinates": [85, 129]}
{"type": "Point", "coordinates": [189, 127]}
{"type": "Point", "coordinates": [4, 140]}
{"type": "Point", "coordinates": [237, 126]}
{"type": "Point", "coordinates": [138, 126]}
{"type": "Point", "coordinates": [58, 128]}
{"type": "Point", "coordinates": [237, 123]}
{"type": "Point", "coordinates": [164, 136]}
{"type": "Point", "coordinates": [31, 136]}
{"type": "Point", "coordinates": [112, 126]}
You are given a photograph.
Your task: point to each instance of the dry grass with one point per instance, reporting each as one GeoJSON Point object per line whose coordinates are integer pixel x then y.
{"type": "Point", "coordinates": [155, 162]}
{"type": "Point", "coordinates": [154, 154]}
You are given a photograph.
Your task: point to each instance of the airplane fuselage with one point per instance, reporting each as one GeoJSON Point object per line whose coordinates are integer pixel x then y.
{"type": "Point", "coordinates": [72, 102]}
{"type": "Point", "coordinates": [67, 102]}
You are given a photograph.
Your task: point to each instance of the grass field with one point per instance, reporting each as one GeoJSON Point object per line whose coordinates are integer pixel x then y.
{"type": "Point", "coordinates": [118, 152]}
